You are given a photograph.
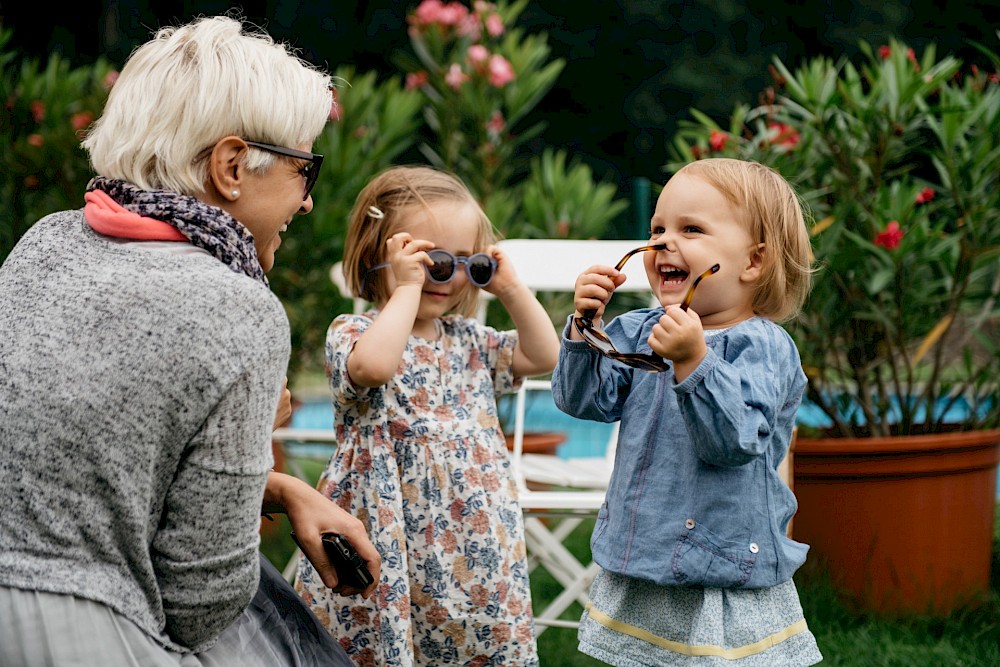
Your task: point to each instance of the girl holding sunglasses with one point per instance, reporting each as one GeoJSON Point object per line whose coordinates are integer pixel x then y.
{"type": "Point", "coordinates": [696, 565]}
{"type": "Point", "coordinates": [415, 382]}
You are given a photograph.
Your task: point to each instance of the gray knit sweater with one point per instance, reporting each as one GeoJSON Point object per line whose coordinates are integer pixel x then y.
{"type": "Point", "coordinates": [137, 393]}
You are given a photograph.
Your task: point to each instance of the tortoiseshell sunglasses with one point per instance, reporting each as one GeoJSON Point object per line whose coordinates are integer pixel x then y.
{"type": "Point", "coordinates": [600, 342]}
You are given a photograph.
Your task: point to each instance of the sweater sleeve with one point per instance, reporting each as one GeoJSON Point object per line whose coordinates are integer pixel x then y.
{"type": "Point", "coordinates": [205, 550]}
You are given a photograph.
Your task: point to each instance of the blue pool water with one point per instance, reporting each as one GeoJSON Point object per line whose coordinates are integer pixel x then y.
{"type": "Point", "coordinates": [583, 438]}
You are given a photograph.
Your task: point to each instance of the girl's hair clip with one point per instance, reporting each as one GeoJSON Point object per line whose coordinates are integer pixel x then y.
{"type": "Point", "coordinates": [375, 212]}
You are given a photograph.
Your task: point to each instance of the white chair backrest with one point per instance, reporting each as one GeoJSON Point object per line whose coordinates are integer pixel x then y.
{"type": "Point", "coordinates": [337, 277]}
{"type": "Point", "coordinates": [553, 265]}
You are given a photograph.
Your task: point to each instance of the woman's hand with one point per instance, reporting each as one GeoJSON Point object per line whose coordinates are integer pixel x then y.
{"type": "Point", "coordinates": [312, 515]}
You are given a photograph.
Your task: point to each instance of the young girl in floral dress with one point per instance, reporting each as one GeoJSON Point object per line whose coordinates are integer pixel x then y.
{"type": "Point", "coordinates": [421, 457]}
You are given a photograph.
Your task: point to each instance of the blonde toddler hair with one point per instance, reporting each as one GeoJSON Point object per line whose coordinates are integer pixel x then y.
{"type": "Point", "coordinates": [773, 215]}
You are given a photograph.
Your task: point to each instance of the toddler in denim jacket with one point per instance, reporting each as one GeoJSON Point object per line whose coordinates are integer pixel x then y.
{"type": "Point", "coordinates": [696, 564]}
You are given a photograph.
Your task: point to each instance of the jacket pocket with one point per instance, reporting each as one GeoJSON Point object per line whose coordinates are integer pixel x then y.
{"type": "Point", "coordinates": [600, 524]}
{"type": "Point", "coordinates": [702, 558]}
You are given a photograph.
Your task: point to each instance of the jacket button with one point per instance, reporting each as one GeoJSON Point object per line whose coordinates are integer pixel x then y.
{"type": "Point", "coordinates": [754, 548]}
{"type": "Point", "coordinates": [689, 524]}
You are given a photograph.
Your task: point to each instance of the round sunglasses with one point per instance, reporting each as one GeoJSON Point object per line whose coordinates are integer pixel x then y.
{"type": "Point", "coordinates": [479, 268]}
{"type": "Point", "coordinates": [598, 340]}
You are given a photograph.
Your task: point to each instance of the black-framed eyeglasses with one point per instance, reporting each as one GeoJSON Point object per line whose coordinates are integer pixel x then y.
{"type": "Point", "coordinates": [310, 171]}
{"type": "Point", "coordinates": [479, 268]}
{"type": "Point", "coordinates": [598, 340]}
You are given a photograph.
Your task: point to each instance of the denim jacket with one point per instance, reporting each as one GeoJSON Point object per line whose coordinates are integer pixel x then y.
{"type": "Point", "coordinates": [694, 498]}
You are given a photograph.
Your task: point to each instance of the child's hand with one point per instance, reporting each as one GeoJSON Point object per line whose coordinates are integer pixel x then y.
{"type": "Point", "coordinates": [679, 336]}
{"type": "Point", "coordinates": [408, 257]}
{"type": "Point", "coordinates": [505, 280]}
{"type": "Point", "coordinates": [594, 288]}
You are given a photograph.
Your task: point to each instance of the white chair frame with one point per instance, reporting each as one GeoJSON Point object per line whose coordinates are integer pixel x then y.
{"type": "Point", "coordinates": [576, 485]}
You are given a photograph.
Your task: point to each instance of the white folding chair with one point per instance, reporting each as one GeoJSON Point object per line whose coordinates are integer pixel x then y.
{"type": "Point", "coordinates": [576, 486]}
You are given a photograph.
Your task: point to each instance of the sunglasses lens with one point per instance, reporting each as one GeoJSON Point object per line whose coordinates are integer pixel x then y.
{"type": "Point", "coordinates": [443, 267]}
{"type": "Point", "coordinates": [481, 269]}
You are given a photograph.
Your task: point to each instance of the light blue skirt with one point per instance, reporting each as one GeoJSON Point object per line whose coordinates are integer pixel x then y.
{"type": "Point", "coordinates": [636, 623]}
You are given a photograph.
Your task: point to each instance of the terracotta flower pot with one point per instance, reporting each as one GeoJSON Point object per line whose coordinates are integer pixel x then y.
{"type": "Point", "coordinates": [538, 442]}
{"type": "Point", "coordinates": [904, 525]}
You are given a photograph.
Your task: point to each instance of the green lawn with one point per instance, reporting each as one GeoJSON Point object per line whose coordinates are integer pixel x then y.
{"type": "Point", "coordinates": [968, 638]}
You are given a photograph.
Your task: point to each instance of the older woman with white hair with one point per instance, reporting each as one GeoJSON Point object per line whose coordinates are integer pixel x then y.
{"type": "Point", "coordinates": [142, 361]}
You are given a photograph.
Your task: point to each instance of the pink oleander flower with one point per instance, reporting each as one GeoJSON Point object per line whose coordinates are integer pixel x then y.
{"type": "Point", "coordinates": [431, 12]}
{"type": "Point", "coordinates": [81, 120]}
{"type": "Point", "coordinates": [38, 110]}
{"type": "Point", "coordinates": [785, 136]}
{"type": "Point", "coordinates": [925, 195]}
{"type": "Point", "coordinates": [477, 54]}
{"type": "Point", "coordinates": [470, 27]}
{"type": "Point", "coordinates": [500, 70]}
{"type": "Point", "coordinates": [334, 108]}
{"type": "Point", "coordinates": [36, 140]}
{"type": "Point", "coordinates": [415, 80]}
{"type": "Point", "coordinates": [496, 123]}
{"type": "Point", "coordinates": [109, 79]}
{"type": "Point", "coordinates": [890, 237]}
{"type": "Point", "coordinates": [455, 76]}
{"type": "Point", "coordinates": [717, 140]}
{"type": "Point", "coordinates": [494, 25]}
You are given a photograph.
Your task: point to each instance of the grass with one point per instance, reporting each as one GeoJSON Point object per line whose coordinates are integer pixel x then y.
{"type": "Point", "coordinates": [967, 638]}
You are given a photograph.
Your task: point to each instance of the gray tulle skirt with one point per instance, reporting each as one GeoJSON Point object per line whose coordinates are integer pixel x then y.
{"type": "Point", "coordinates": [40, 629]}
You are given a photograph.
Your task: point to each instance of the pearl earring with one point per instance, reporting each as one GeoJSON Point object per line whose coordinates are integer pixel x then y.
{"type": "Point", "coordinates": [235, 194]}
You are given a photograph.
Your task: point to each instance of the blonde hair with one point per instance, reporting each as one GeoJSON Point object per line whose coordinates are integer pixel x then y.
{"type": "Point", "coordinates": [381, 211]}
{"type": "Point", "coordinates": [774, 216]}
{"type": "Point", "coordinates": [190, 86]}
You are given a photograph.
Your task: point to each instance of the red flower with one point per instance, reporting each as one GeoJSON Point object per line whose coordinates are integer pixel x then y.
{"type": "Point", "coordinates": [36, 140]}
{"type": "Point", "coordinates": [717, 140]}
{"type": "Point", "coordinates": [109, 79]}
{"type": "Point", "coordinates": [925, 195]}
{"type": "Point", "coordinates": [38, 111]}
{"type": "Point", "coordinates": [81, 120]}
{"type": "Point", "coordinates": [890, 237]}
{"type": "Point", "coordinates": [416, 79]}
{"type": "Point", "coordinates": [884, 52]}
{"type": "Point", "coordinates": [785, 136]}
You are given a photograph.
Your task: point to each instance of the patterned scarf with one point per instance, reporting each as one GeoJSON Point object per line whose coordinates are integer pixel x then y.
{"type": "Point", "coordinates": [206, 227]}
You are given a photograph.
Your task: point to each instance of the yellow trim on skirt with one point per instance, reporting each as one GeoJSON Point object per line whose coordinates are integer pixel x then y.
{"type": "Point", "coordinates": [698, 650]}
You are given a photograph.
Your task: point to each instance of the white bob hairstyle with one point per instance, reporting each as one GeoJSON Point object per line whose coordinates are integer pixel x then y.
{"type": "Point", "coordinates": [190, 86]}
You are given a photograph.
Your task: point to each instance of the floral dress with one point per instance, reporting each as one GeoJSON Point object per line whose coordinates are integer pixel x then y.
{"type": "Point", "coordinates": [423, 462]}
